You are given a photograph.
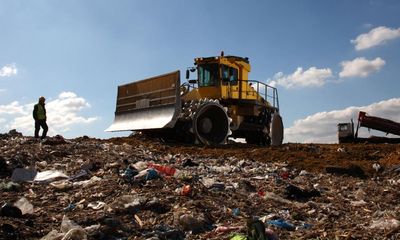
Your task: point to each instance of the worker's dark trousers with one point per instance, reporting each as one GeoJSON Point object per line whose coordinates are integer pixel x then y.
{"type": "Point", "coordinates": [43, 124]}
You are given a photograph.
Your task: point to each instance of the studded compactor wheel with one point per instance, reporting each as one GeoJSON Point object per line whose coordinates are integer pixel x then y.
{"type": "Point", "coordinates": [209, 121]}
{"type": "Point", "coordinates": [211, 124]}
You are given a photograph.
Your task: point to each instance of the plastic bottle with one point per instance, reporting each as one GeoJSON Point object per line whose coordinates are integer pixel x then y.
{"type": "Point", "coordinates": [170, 171]}
{"type": "Point", "coordinates": [186, 190]}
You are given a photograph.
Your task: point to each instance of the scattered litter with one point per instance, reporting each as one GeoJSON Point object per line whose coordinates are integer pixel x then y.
{"type": "Point", "coordinates": [145, 175]}
{"type": "Point", "coordinates": [124, 202]}
{"type": "Point", "coordinates": [130, 173]}
{"type": "Point", "coordinates": [295, 193]}
{"type": "Point", "coordinates": [236, 212]}
{"type": "Point", "coordinates": [123, 188]}
{"type": "Point", "coordinates": [238, 236]}
{"type": "Point", "coordinates": [211, 183]}
{"type": "Point", "coordinates": [24, 205]}
{"type": "Point", "coordinates": [62, 185]}
{"type": "Point", "coordinates": [185, 190]}
{"type": "Point", "coordinates": [141, 165]}
{"type": "Point", "coordinates": [23, 175]}
{"type": "Point", "coordinates": [189, 163]}
{"type": "Point", "coordinates": [49, 175]}
{"type": "Point", "coordinates": [92, 229]}
{"type": "Point", "coordinates": [81, 174]}
{"type": "Point", "coordinates": [53, 235]}
{"type": "Point", "coordinates": [169, 171]}
{"type": "Point", "coordinates": [138, 220]}
{"type": "Point", "coordinates": [87, 183]}
{"type": "Point", "coordinates": [358, 203]}
{"type": "Point", "coordinates": [10, 186]}
{"type": "Point", "coordinates": [224, 229]}
{"type": "Point", "coordinates": [280, 223]}
{"type": "Point", "coordinates": [385, 223]}
{"type": "Point", "coordinates": [303, 173]}
{"type": "Point", "coordinates": [376, 166]}
{"type": "Point", "coordinates": [97, 205]}
{"type": "Point", "coordinates": [342, 150]}
{"type": "Point", "coordinates": [70, 207]}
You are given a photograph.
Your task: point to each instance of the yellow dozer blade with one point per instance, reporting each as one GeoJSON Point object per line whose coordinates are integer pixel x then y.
{"type": "Point", "coordinates": [152, 103]}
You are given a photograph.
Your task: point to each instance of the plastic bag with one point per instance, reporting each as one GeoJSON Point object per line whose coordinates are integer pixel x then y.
{"type": "Point", "coordinates": [24, 205]}
{"type": "Point", "coordinates": [75, 234]}
{"type": "Point", "coordinates": [53, 235]}
{"type": "Point", "coordinates": [385, 223]}
{"type": "Point", "coordinates": [68, 224]}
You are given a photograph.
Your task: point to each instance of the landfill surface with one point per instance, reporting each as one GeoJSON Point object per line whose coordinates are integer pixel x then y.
{"type": "Point", "coordinates": [138, 188]}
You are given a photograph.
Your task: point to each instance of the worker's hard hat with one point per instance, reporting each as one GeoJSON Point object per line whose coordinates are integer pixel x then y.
{"type": "Point", "coordinates": [42, 98]}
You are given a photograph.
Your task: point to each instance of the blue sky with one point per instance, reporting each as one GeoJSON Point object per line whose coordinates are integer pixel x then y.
{"type": "Point", "coordinates": [323, 56]}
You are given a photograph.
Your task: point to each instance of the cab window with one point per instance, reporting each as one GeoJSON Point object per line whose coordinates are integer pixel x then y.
{"type": "Point", "coordinates": [229, 74]}
{"type": "Point", "coordinates": [208, 75]}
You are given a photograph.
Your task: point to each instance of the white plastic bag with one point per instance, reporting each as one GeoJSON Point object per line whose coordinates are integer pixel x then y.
{"type": "Point", "coordinates": [24, 205]}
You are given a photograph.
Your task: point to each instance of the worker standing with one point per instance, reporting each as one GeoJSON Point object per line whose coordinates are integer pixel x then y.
{"type": "Point", "coordinates": [39, 114]}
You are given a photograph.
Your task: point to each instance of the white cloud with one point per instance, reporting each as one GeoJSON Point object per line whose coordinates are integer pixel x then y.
{"type": "Point", "coordinates": [8, 70]}
{"type": "Point", "coordinates": [68, 102]}
{"type": "Point", "coordinates": [12, 108]}
{"type": "Point", "coordinates": [321, 127]}
{"type": "Point", "coordinates": [360, 67]}
{"type": "Point", "coordinates": [312, 77]}
{"type": "Point", "coordinates": [375, 37]}
{"type": "Point", "coordinates": [62, 114]}
{"type": "Point", "coordinates": [65, 95]}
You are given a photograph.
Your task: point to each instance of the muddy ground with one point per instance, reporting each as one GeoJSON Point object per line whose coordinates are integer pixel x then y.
{"type": "Point", "coordinates": [322, 191]}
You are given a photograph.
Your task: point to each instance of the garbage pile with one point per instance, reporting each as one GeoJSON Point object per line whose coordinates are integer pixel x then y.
{"type": "Point", "coordinates": [133, 188]}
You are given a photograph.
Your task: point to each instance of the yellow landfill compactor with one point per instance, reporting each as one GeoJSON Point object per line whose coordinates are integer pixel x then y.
{"type": "Point", "coordinates": [222, 102]}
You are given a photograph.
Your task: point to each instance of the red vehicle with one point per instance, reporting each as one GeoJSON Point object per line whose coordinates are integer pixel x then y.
{"type": "Point", "coordinates": [346, 130]}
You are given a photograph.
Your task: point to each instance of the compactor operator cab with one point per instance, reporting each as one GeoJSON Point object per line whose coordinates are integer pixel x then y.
{"type": "Point", "coordinates": [214, 74]}
{"type": "Point", "coordinates": [212, 71]}
{"type": "Point", "coordinates": [223, 77]}
{"type": "Point", "coordinates": [210, 75]}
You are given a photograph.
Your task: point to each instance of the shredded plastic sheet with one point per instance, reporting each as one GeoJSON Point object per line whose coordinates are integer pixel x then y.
{"type": "Point", "coordinates": [49, 175]}
{"type": "Point", "coordinates": [29, 175]}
